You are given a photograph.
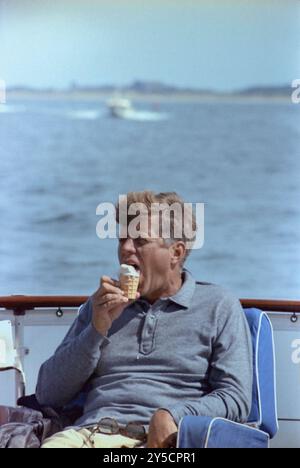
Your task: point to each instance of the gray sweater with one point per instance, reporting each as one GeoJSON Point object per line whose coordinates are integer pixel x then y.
{"type": "Point", "coordinates": [189, 354]}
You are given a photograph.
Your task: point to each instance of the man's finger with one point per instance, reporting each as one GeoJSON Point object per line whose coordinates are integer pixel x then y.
{"type": "Point", "coordinates": [107, 279]}
{"type": "Point", "coordinates": [108, 287]}
{"type": "Point", "coordinates": [110, 297]}
{"type": "Point", "coordinates": [114, 302]}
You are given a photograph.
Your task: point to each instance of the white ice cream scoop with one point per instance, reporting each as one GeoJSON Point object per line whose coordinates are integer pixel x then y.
{"type": "Point", "coordinates": [128, 270]}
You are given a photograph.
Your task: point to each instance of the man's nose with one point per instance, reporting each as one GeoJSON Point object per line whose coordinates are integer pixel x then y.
{"type": "Point", "coordinates": [128, 245]}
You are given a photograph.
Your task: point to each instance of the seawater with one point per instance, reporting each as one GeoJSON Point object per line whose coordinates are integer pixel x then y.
{"type": "Point", "coordinates": [60, 159]}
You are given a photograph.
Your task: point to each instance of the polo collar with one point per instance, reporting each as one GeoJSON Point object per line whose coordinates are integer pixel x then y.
{"type": "Point", "coordinates": [184, 296]}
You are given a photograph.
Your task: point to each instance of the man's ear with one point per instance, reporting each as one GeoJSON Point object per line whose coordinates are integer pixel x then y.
{"type": "Point", "coordinates": [178, 251]}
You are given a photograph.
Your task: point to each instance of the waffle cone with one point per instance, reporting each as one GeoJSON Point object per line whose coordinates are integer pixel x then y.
{"type": "Point", "coordinates": [129, 284]}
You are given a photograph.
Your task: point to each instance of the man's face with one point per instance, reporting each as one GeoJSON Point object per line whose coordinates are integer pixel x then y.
{"type": "Point", "coordinates": [151, 257]}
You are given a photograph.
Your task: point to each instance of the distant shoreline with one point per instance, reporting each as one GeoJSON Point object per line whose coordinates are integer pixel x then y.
{"type": "Point", "coordinates": [146, 97]}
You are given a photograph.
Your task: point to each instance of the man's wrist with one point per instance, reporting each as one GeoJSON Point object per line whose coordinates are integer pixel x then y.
{"type": "Point", "coordinates": [101, 331]}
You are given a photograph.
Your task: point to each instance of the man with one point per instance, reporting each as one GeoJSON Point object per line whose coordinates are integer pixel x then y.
{"type": "Point", "coordinates": [181, 348]}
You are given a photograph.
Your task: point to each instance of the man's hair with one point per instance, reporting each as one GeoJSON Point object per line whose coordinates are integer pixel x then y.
{"type": "Point", "coordinates": [178, 225]}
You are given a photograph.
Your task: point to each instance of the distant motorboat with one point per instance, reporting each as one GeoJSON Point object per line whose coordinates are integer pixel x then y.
{"type": "Point", "coordinates": [122, 108]}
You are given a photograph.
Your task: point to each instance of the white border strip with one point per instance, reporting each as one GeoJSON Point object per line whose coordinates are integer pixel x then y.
{"type": "Point", "coordinates": [274, 368]}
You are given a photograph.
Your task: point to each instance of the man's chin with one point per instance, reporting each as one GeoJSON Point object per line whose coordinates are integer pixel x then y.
{"type": "Point", "coordinates": [142, 290]}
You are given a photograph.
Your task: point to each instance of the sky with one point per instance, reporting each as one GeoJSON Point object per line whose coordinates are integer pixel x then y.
{"type": "Point", "coordinates": [210, 44]}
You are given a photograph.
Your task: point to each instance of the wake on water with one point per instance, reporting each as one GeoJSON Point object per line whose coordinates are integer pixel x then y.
{"type": "Point", "coordinates": [138, 117]}
{"type": "Point", "coordinates": [92, 114]}
{"type": "Point", "coordinates": [145, 116]}
{"type": "Point", "coordinates": [85, 114]}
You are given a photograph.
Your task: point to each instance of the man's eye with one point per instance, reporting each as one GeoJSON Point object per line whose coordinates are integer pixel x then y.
{"type": "Point", "coordinates": [140, 241]}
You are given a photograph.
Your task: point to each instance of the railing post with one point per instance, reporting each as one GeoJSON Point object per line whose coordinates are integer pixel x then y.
{"type": "Point", "coordinates": [20, 353]}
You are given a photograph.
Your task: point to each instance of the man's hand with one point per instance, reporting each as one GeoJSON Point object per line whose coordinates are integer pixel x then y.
{"type": "Point", "coordinates": [162, 430]}
{"type": "Point", "coordinates": [108, 303]}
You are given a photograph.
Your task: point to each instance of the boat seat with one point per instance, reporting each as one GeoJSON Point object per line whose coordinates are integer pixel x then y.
{"type": "Point", "coordinates": [262, 425]}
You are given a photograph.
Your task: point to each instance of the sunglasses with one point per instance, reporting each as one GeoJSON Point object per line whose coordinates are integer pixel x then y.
{"type": "Point", "coordinates": [110, 426]}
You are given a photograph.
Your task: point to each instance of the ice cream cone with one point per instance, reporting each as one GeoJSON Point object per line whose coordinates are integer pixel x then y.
{"type": "Point", "coordinates": [129, 281]}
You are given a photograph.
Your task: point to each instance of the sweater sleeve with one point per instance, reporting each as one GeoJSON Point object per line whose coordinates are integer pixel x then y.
{"type": "Point", "coordinates": [230, 371]}
{"type": "Point", "coordinates": [63, 375]}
